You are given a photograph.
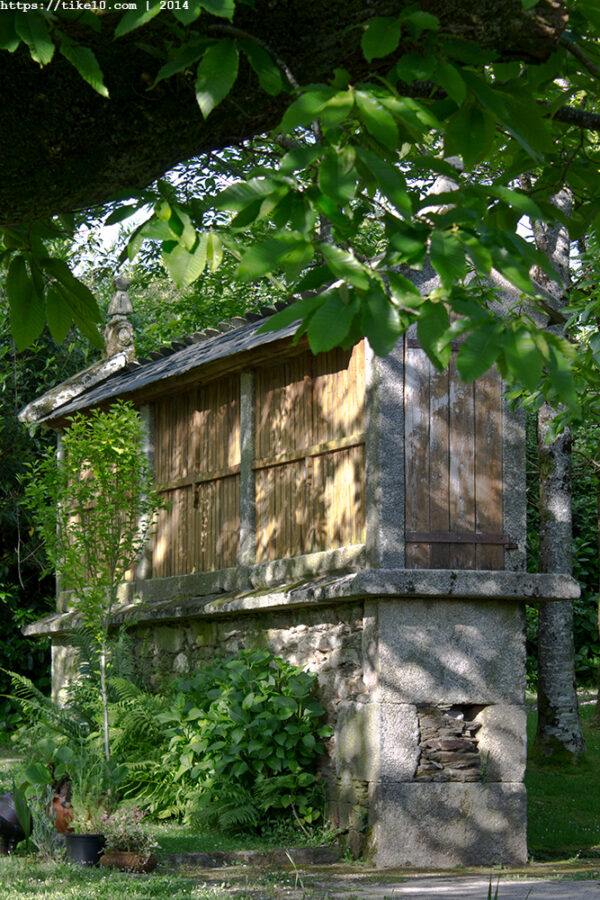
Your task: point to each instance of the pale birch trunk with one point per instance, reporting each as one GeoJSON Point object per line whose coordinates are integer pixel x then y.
{"type": "Point", "coordinates": [559, 728]}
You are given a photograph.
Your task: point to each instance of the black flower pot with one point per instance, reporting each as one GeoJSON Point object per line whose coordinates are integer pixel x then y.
{"type": "Point", "coordinates": [85, 848]}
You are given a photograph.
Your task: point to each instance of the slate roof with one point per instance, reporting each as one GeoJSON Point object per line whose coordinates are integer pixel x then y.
{"type": "Point", "coordinates": [179, 358]}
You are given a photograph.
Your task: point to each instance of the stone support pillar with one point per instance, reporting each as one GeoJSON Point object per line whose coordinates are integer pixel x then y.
{"type": "Point", "coordinates": [514, 487]}
{"type": "Point", "coordinates": [385, 458]}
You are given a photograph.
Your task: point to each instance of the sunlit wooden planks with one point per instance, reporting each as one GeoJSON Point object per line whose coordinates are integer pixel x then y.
{"type": "Point", "coordinates": [197, 456]}
{"type": "Point", "coordinates": [309, 468]}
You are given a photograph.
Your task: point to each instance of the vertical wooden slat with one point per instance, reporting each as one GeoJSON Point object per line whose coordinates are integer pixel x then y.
{"type": "Point", "coordinates": [462, 466]}
{"type": "Point", "coordinates": [417, 462]}
{"type": "Point", "coordinates": [439, 451]}
{"type": "Point", "coordinates": [488, 467]}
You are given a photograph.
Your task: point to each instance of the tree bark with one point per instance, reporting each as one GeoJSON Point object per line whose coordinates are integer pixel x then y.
{"type": "Point", "coordinates": [596, 716]}
{"type": "Point", "coordinates": [558, 728]}
{"type": "Point", "coordinates": [64, 148]}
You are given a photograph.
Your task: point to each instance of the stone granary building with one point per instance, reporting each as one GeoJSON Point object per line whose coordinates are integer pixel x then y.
{"type": "Point", "coordinates": [360, 516]}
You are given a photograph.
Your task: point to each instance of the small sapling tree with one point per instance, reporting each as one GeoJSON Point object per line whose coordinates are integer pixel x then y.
{"type": "Point", "coordinates": [94, 505]}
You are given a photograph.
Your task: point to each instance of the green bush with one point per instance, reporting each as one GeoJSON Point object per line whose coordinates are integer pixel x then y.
{"type": "Point", "coordinates": [245, 735]}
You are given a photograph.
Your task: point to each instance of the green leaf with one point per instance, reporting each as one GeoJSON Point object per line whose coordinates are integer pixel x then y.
{"type": "Point", "coordinates": [268, 256]}
{"type": "Point", "coordinates": [58, 315]}
{"type": "Point", "coordinates": [188, 12]}
{"type": "Point", "coordinates": [414, 67]}
{"type": "Point", "coordinates": [86, 64]}
{"type": "Point", "coordinates": [447, 257]}
{"type": "Point", "coordinates": [390, 181]}
{"type": "Point", "coordinates": [334, 180]}
{"type": "Point", "coordinates": [479, 351]}
{"type": "Point", "coordinates": [419, 21]}
{"type": "Point", "coordinates": [185, 267]}
{"type": "Point", "coordinates": [136, 17]}
{"type": "Point", "coordinates": [9, 39]}
{"type": "Point", "coordinates": [223, 8]}
{"type": "Point", "coordinates": [480, 255]}
{"type": "Point", "coordinates": [331, 322]}
{"type": "Point", "coordinates": [217, 72]}
{"type": "Point", "coordinates": [343, 264]}
{"type": "Point", "coordinates": [32, 29]}
{"type": "Point", "coordinates": [381, 37]}
{"type": "Point", "coordinates": [299, 158]}
{"type": "Point", "coordinates": [302, 309]}
{"type": "Point", "coordinates": [469, 133]}
{"type": "Point", "coordinates": [269, 74]}
{"type": "Point", "coordinates": [305, 109]}
{"type": "Point", "coordinates": [27, 316]}
{"type": "Point", "coordinates": [404, 291]}
{"type": "Point", "coordinates": [37, 774]}
{"type": "Point", "coordinates": [83, 301]}
{"type": "Point", "coordinates": [409, 242]}
{"type": "Point", "coordinates": [561, 377]}
{"type": "Point", "coordinates": [518, 200]}
{"type": "Point", "coordinates": [512, 268]}
{"type": "Point", "coordinates": [377, 120]}
{"type": "Point", "coordinates": [381, 322]}
{"type": "Point", "coordinates": [523, 358]}
{"type": "Point", "coordinates": [449, 77]}
{"type": "Point", "coordinates": [432, 331]}
{"type": "Point", "coordinates": [214, 251]}
{"type": "Point", "coordinates": [183, 58]}
{"type": "Point", "coordinates": [337, 109]}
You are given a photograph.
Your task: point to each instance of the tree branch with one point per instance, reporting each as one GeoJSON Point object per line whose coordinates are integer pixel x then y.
{"type": "Point", "coordinates": [576, 51]}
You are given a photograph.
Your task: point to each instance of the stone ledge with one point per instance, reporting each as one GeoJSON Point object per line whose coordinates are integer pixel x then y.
{"type": "Point", "coordinates": [301, 856]}
{"type": "Point", "coordinates": [225, 600]}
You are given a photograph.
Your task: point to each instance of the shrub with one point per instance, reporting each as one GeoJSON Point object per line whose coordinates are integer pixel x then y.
{"type": "Point", "coordinates": [245, 736]}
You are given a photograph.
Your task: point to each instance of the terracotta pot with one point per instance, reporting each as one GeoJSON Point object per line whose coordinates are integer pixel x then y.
{"type": "Point", "coordinates": [132, 862]}
{"type": "Point", "coordinates": [62, 815]}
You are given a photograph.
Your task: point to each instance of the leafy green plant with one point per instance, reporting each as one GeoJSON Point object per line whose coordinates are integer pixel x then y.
{"type": "Point", "coordinates": [95, 508]}
{"type": "Point", "coordinates": [245, 735]}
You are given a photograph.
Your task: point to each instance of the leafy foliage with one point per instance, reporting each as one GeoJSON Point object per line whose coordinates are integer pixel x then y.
{"type": "Point", "coordinates": [244, 738]}
{"type": "Point", "coordinates": [502, 136]}
{"type": "Point", "coordinates": [95, 508]}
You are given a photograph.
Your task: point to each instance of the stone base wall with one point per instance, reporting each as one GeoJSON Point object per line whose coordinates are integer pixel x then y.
{"type": "Point", "coordinates": [426, 701]}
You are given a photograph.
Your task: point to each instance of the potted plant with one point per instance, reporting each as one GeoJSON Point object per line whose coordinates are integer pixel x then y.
{"type": "Point", "coordinates": [129, 844]}
{"type": "Point", "coordinates": [91, 797]}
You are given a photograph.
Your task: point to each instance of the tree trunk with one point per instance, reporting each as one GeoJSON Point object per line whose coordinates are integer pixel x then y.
{"type": "Point", "coordinates": [65, 147]}
{"type": "Point", "coordinates": [596, 717]}
{"type": "Point", "coordinates": [104, 693]}
{"type": "Point", "coordinates": [558, 728]}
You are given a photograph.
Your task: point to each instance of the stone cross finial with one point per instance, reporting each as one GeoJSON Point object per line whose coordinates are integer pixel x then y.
{"type": "Point", "coordinates": [119, 333]}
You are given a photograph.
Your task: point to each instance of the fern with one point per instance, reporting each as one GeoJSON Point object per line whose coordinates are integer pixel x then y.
{"type": "Point", "coordinates": [227, 806]}
{"type": "Point", "coordinates": [66, 721]}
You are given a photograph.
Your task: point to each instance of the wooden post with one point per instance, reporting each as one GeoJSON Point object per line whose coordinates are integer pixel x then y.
{"type": "Point", "coordinates": [144, 566]}
{"type": "Point", "coordinates": [247, 543]}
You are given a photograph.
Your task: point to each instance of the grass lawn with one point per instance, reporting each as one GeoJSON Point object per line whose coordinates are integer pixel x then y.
{"type": "Point", "coordinates": [564, 822]}
{"type": "Point", "coordinates": [564, 803]}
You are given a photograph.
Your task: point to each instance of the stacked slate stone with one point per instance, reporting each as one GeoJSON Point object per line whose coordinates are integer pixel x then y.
{"type": "Point", "coordinates": [449, 750]}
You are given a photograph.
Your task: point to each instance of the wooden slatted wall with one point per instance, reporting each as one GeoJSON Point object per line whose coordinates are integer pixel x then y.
{"type": "Point", "coordinates": [309, 454]}
{"type": "Point", "coordinates": [453, 466]}
{"type": "Point", "coordinates": [197, 463]}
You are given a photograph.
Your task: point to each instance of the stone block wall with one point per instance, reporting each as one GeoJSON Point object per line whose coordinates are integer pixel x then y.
{"type": "Point", "coordinates": [425, 698]}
